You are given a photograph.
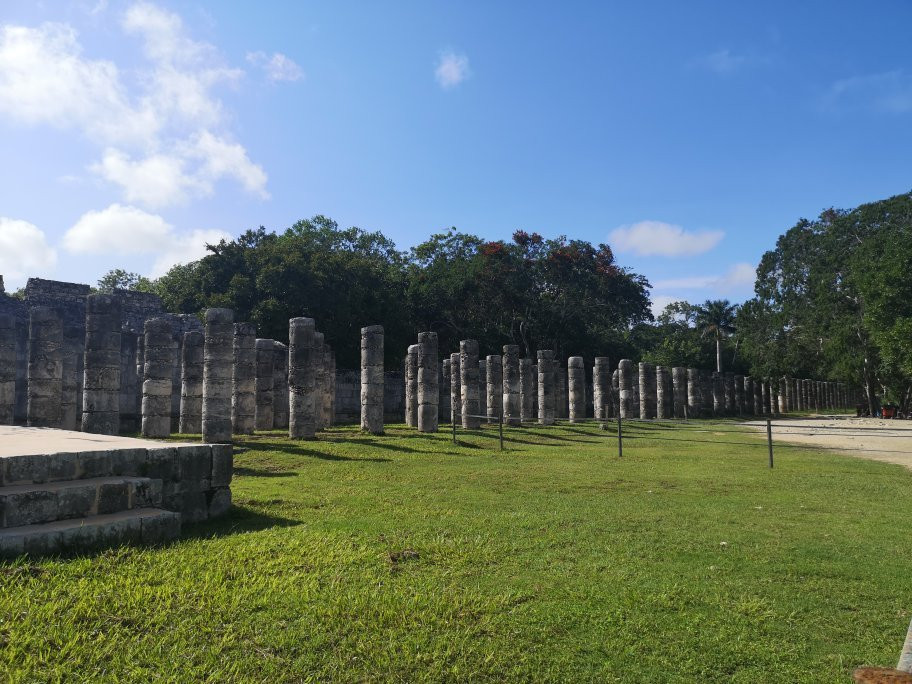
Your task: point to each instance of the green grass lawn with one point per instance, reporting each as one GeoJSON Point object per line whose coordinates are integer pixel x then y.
{"type": "Point", "coordinates": [406, 557]}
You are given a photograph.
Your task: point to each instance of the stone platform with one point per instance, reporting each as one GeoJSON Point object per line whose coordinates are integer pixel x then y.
{"type": "Point", "coordinates": [64, 491]}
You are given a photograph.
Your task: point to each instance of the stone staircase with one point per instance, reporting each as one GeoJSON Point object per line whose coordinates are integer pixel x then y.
{"type": "Point", "coordinates": [88, 500]}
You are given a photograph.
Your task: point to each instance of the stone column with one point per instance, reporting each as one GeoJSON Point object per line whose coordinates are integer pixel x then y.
{"type": "Point", "coordinates": [157, 379]}
{"type": "Point", "coordinates": [446, 396]}
{"type": "Point", "coordinates": [576, 389]}
{"type": "Point", "coordinates": [758, 397]}
{"type": "Point", "coordinates": [534, 390]}
{"type": "Point", "coordinates": [265, 383]}
{"type": "Point", "coordinates": [428, 385]}
{"type": "Point", "coordinates": [647, 390]}
{"type": "Point", "coordinates": [728, 380]}
{"type": "Point", "coordinates": [495, 387]}
{"type": "Point", "coordinates": [694, 397]}
{"type": "Point", "coordinates": [455, 388]}
{"type": "Point", "coordinates": [526, 391]}
{"type": "Point", "coordinates": [302, 376]}
{"type": "Point", "coordinates": [280, 387]}
{"type": "Point", "coordinates": [664, 408]}
{"type": "Point", "coordinates": [72, 352]}
{"type": "Point", "coordinates": [101, 370]}
{"type": "Point", "coordinates": [140, 370]}
{"type": "Point", "coordinates": [129, 384]}
{"type": "Point", "coordinates": [218, 354]}
{"type": "Point", "coordinates": [244, 376]}
{"type": "Point", "coordinates": [546, 389]}
{"type": "Point", "coordinates": [679, 389]}
{"type": "Point", "coordinates": [328, 379]}
{"type": "Point", "coordinates": [483, 387]}
{"type": "Point", "coordinates": [191, 410]}
{"type": "Point", "coordinates": [616, 391]}
{"type": "Point", "coordinates": [718, 394]}
{"type": "Point", "coordinates": [739, 395]}
{"type": "Point", "coordinates": [765, 397]}
{"type": "Point", "coordinates": [512, 386]}
{"type": "Point", "coordinates": [411, 386]}
{"type": "Point", "coordinates": [468, 370]}
{"type": "Point", "coordinates": [635, 389]}
{"type": "Point", "coordinates": [625, 389]}
{"type": "Point", "coordinates": [602, 399]}
{"type": "Point", "coordinates": [748, 395]}
{"type": "Point", "coordinates": [7, 368]}
{"type": "Point", "coordinates": [561, 394]}
{"type": "Point", "coordinates": [319, 360]}
{"type": "Point", "coordinates": [45, 367]}
{"type": "Point", "coordinates": [371, 378]}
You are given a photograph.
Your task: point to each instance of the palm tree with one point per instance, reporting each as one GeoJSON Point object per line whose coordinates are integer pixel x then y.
{"type": "Point", "coordinates": [717, 318]}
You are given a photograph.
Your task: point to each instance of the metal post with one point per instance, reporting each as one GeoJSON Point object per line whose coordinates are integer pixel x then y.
{"type": "Point", "coordinates": [769, 439]}
{"type": "Point", "coordinates": [500, 427]}
{"type": "Point", "coordinates": [620, 438]}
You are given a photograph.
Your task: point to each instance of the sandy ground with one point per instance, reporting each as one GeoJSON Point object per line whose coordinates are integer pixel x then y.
{"type": "Point", "coordinates": [871, 438]}
{"type": "Point", "coordinates": [26, 441]}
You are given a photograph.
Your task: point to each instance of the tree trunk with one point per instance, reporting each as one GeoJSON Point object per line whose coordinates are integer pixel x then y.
{"type": "Point", "coordinates": [718, 354]}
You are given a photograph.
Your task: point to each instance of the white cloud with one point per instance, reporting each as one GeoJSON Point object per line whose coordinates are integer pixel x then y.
{"type": "Point", "coordinates": [24, 252]}
{"type": "Point", "coordinates": [737, 276]}
{"type": "Point", "coordinates": [659, 302]}
{"type": "Point", "coordinates": [120, 230]}
{"type": "Point", "coordinates": [452, 69]}
{"type": "Point", "coordinates": [888, 92]}
{"type": "Point", "coordinates": [278, 67]}
{"type": "Point", "coordinates": [656, 238]}
{"type": "Point", "coordinates": [161, 128]}
{"type": "Point", "coordinates": [183, 249]}
{"type": "Point", "coordinates": [722, 61]}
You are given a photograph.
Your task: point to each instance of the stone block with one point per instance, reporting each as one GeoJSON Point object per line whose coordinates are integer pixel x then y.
{"type": "Point", "coordinates": [76, 501]}
{"type": "Point", "coordinates": [219, 501]}
{"type": "Point", "coordinates": [146, 493]}
{"type": "Point", "coordinates": [94, 464]}
{"type": "Point", "coordinates": [194, 507]}
{"type": "Point", "coordinates": [113, 497]}
{"type": "Point", "coordinates": [160, 528]}
{"type": "Point", "coordinates": [128, 462]}
{"type": "Point", "coordinates": [195, 463]}
{"type": "Point", "coordinates": [28, 507]}
{"type": "Point", "coordinates": [222, 465]}
{"type": "Point", "coordinates": [161, 464]}
{"type": "Point", "coordinates": [24, 469]}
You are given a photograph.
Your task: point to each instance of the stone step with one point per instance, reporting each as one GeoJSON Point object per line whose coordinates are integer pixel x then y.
{"type": "Point", "coordinates": [30, 504]}
{"type": "Point", "coordinates": [138, 526]}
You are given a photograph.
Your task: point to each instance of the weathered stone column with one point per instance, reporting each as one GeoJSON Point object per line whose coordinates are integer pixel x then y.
{"type": "Point", "coordinates": [635, 387]}
{"type": "Point", "coordinates": [157, 379]}
{"type": "Point", "coordinates": [411, 386]}
{"type": "Point", "coordinates": [218, 354]}
{"type": "Point", "coordinates": [428, 385]}
{"type": "Point", "coordinates": [718, 393]}
{"type": "Point", "coordinates": [679, 391]}
{"type": "Point", "coordinates": [758, 397]}
{"type": "Point", "coordinates": [326, 379]}
{"type": "Point", "coordinates": [625, 389]}
{"type": "Point", "coordinates": [561, 394]}
{"type": "Point", "coordinates": [728, 380]}
{"type": "Point", "coordinates": [602, 396]}
{"type": "Point", "coordinates": [483, 387]}
{"type": "Point", "coordinates": [512, 390]}
{"type": "Point", "coordinates": [319, 360]}
{"type": "Point", "coordinates": [101, 370]}
{"type": "Point", "coordinates": [765, 397]}
{"type": "Point", "coordinates": [302, 377]}
{"type": "Point", "coordinates": [739, 394]}
{"type": "Point", "coordinates": [534, 390]}
{"type": "Point", "coordinates": [664, 404]}
{"type": "Point", "coordinates": [468, 370]}
{"type": "Point", "coordinates": [455, 388]}
{"type": "Point", "coordinates": [446, 397]}
{"type": "Point", "coordinates": [332, 385]}
{"type": "Point", "coordinates": [191, 411]}
{"type": "Point", "coordinates": [140, 371]}
{"type": "Point", "coordinates": [694, 396]}
{"type": "Point", "coordinates": [546, 388]}
{"type": "Point", "coordinates": [265, 383]}
{"type": "Point", "coordinates": [576, 389]}
{"type": "Point", "coordinates": [748, 395]}
{"type": "Point", "coordinates": [526, 391]}
{"type": "Point", "coordinates": [244, 376]}
{"type": "Point", "coordinates": [495, 387]}
{"type": "Point", "coordinates": [371, 378]}
{"type": "Point", "coordinates": [45, 367]}
{"type": "Point", "coordinates": [647, 378]}
{"type": "Point", "coordinates": [280, 387]}
{"type": "Point", "coordinates": [7, 368]}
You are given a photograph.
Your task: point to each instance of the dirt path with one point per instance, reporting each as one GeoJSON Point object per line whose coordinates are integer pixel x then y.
{"type": "Point", "coordinates": [871, 438]}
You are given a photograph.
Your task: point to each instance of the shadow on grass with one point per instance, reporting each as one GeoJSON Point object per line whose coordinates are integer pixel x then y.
{"type": "Point", "coordinates": [238, 520]}
{"type": "Point", "coordinates": [312, 453]}
{"type": "Point", "coordinates": [373, 443]}
{"type": "Point", "coordinates": [240, 471]}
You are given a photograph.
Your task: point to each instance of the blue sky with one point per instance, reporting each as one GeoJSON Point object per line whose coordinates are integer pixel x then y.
{"type": "Point", "coordinates": [686, 135]}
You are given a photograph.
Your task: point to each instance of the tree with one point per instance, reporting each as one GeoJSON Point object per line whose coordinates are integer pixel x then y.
{"type": "Point", "coordinates": [120, 279]}
{"type": "Point", "coordinates": [716, 318]}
